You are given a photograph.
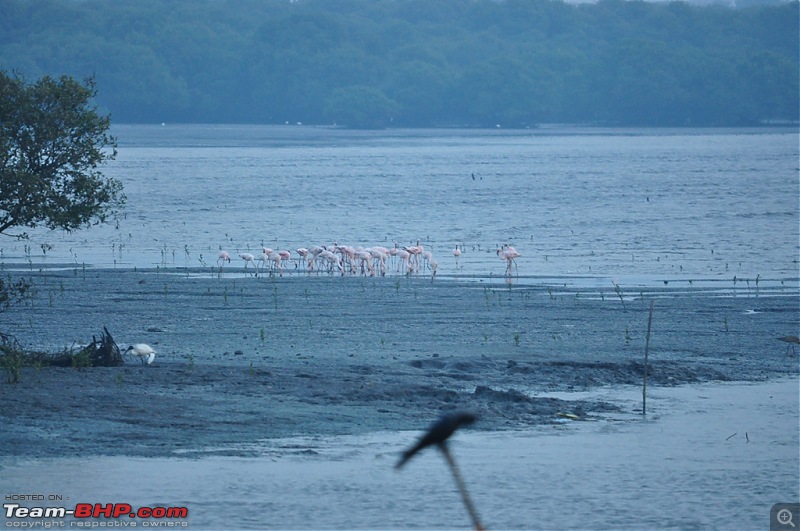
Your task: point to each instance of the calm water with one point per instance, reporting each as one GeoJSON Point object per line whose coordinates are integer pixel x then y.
{"type": "Point", "coordinates": [609, 203]}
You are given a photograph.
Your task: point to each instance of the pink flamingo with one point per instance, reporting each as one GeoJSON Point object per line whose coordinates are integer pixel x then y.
{"type": "Point", "coordinates": [512, 251]}
{"type": "Point", "coordinates": [456, 254]}
{"type": "Point", "coordinates": [264, 257]}
{"type": "Point", "coordinates": [249, 259]}
{"type": "Point", "coordinates": [286, 257]}
{"type": "Point", "coordinates": [509, 254]}
{"type": "Point", "coordinates": [414, 251]}
{"type": "Point", "coordinates": [405, 258]}
{"type": "Point", "coordinates": [427, 258]}
{"type": "Point", "coordinates": [348, 257]}
{"type": "Point", "coordinates": [379, 255]}
{"type": "Point", "coordinates": [276, 260]}
{"type": "Point", "coordinates": [365, 260]}
{"type": "Point", "coordinates": [393, 252]}
{"type": "Point", "coordinates": [223, 257]}
{"type": "Point", "coordinates": [315, 251]}
{"type": "Point", "coordinates": [333, 261]}
{"type": "Point", "coordinates": [302, 252]}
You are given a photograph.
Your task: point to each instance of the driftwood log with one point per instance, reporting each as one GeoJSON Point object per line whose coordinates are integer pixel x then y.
{"type": "Point", "coordinates": [99, 353]}
{"type": "Point", "coordinates": [106, 352]}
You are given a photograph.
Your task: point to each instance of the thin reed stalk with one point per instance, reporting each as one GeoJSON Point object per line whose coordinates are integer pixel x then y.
{"type": "Point", "coordinates": [646, 352]}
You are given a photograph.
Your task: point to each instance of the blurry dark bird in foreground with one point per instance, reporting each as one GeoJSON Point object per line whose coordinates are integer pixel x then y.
{"type": "Point", "coordinates": [438, 433]}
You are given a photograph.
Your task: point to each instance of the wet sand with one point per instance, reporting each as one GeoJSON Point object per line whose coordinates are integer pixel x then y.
{"type": "Point", "coordinates": [242, 359]}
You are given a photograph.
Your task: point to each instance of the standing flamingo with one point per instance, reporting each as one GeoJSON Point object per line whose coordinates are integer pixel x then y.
{"type": "Point", "coordinates": [365, 262]}
{"type": "Point", "coordinates": [223, 257]}
{"type": "Point", "coordinates": [249, 259]}
{"type": "Point", "coordinates": [275, 259]}
{"type": "Point", "coordinates": [264, 256]}
{"type": "Point", "coordinates": [456, 254]}
{"type": "Point", "coordinates": [509, 254]}
{"type": "Point", "coordinates": [286, 257]}
{"type": "Point", "coordinates": [350, 258]}
{"type": "Point", "coordinates": [414, 251]}
{"type": "Point", "coordinates": [427, 258]}
{"type": "Point", "coordinates": [405, 259]}
{"type": "Point", "coordinates": [335, 262]}
{"type": "Point", "coordinates": [303, 252]}
{"type": "Point", "coordinates": [314, 252]}
{"type": "Point", "coordinates": [379, 255]}
{"type": "Point", "coordinates": [501, 254]}
{"type": "Point", "coordinates": [393, 253]}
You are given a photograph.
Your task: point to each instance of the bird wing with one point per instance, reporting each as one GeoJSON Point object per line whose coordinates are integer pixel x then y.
{"type": "Point", "coordinates": [438, 434]}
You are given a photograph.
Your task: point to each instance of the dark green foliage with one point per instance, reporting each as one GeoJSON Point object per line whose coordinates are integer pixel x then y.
{"type": "Point", "coordinates": [51, 144]}
{"type": "Point", "coordinates": [417, 63]}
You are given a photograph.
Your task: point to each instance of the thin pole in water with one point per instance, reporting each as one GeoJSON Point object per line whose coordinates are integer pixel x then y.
{"type": "Point", "coordinates": [646, 351]}
{"type": "Point", "coordinates": [462, 488]}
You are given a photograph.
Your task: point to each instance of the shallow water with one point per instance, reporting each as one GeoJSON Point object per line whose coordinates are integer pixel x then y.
{"type": "Point", "coordinates": [625, 204]}
{"type": "Point", "coordinates": [715, 456]}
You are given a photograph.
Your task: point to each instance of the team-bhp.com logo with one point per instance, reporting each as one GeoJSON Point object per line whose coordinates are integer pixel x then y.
{"type": "Point", "coordinates": [89, 515]}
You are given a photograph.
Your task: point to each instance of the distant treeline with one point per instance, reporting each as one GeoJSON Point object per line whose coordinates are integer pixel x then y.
{"type": "Point", "coordinates": [415, 63]}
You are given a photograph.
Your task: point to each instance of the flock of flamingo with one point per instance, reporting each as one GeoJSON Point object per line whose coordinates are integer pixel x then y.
{"type": "Point", "coordinates": [344, 259]}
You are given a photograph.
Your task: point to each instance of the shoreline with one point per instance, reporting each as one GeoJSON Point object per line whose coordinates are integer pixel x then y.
{"type": "Point", "coordinates": [751, 284]}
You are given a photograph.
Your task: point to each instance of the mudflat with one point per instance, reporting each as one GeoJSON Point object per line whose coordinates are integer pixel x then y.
{"type": "Point", "coordinates": [242, 358]}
